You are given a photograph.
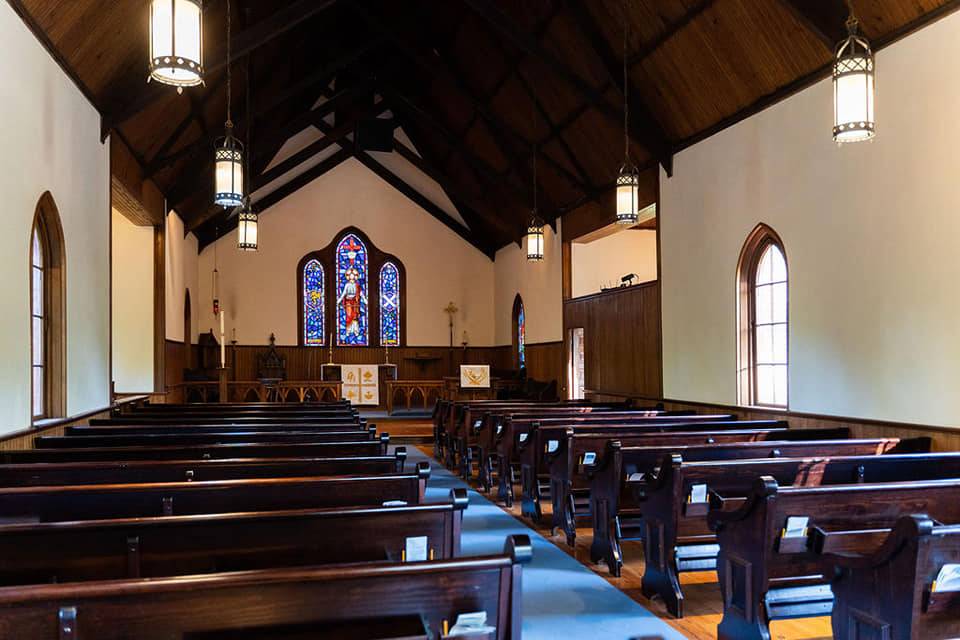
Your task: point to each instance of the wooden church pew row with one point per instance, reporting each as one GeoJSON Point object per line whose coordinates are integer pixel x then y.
{"type": "Point", "coordinates": [409, 600]}
{"type": "Point", "coordinates": [252, 413]}
{"type": "Point", "coordinates": [468, 429]}
{"type": "Point", "coordinates": [228, 420]}
{"type": "Point", "coordinates": [516, 433]}
{"type": "Point", "coordinates": [889, 591]}
{"type": "Point", "coordinates": [576, 452]}
{"type": "Point", "coordinates": [619, 478]}
{"type": "Point", "coordinates": [492, 428]}
{"type": "Point", "coordinates": [141, 471]}
{"type": "Point", "coordinates": [493, 423]}
{"type": "Point", "coordinates": [446, 413]}
{"type": "Point", "coordinates": [80, 430]}
{"type": "Point", "coordinates": [534, 449]}
{"type": "Point", "coordinates": [97, 502]}
{"type": "Point", "coordinates": [189, 439]}
{"type": "Point", "coordinates": [676, 535]}
{"type": "Point", "coordinates": [154, 547]}
{"type": "Point", "coordinates": [768, 571]}
{"type": "Point", "coordinates": [202, 452]}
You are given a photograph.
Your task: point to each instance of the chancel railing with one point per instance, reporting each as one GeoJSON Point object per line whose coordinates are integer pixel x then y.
{"type": "Point", "coordinates": [411, 391]}
{"type": "Point", "coordinates": [258, 391]}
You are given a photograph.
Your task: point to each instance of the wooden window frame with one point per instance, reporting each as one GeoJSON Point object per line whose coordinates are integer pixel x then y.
{"type": "Point", "coordinates": [762, 237]}
{"type": "Point", "coordinates": [46, 224]}
{"type": "Point", "coordinates": [376, 258]}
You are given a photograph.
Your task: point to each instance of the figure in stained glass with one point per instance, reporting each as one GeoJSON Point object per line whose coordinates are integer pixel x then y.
{"type": "Point", "coordinates": [352, 314]}
{"type": "Point", "coordinates": [313, 304]}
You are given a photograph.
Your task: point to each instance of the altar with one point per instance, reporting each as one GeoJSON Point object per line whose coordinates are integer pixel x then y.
{"type": "Point", "coordinates": [364, 385]}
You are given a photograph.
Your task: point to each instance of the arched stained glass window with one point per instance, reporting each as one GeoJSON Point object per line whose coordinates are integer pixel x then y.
{"type": "Point", "coordinates": [352, 278]}
{"type": "Point", "coordinates": [389, 305]}
{"type": "Point", "coordinates": [313, 308]}
{"type": "Point", "coordinates": [519, 333]}
{"type": "Point", "coordinates": [764, 305]}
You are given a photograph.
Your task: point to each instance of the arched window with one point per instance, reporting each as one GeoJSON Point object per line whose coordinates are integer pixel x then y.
{"type": "Point", "coordinates": [352, 313]}
{"type": "Point", "coordinates": [763, 316]}
{"type": "Point", "coordinates": [336, 282]}
{"type": "Point", "coordinates": [519, 333]}
{"type": "Point", "coordinates": [314, 313]}
{"type": "Point", "coordinates": [48, 312]}
{"type": "Point", "coordinates": [389, 305]}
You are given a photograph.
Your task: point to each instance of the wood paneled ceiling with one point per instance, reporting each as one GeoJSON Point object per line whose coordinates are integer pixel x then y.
{"type": "Point", "coordinates": [475, 84]}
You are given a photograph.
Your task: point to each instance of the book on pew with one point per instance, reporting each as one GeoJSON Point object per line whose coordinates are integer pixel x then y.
{"type": "Point", "coordinates": [796, 527]}
{"type": "Point", "coordinates": [471, 625]}
{"type": "Point", "coordinates": [948, 579]}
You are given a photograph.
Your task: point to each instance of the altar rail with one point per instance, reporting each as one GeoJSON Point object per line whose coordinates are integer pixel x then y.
{"type": "Point", "coordinates": [429, 391]}
{"type": "Point", "coordinates": [256, 391]}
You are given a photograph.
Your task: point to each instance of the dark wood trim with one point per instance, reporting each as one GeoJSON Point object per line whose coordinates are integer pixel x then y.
{"type": "Point", "coordinates": [159, 307]}
{"type": "Point", "coordinates": [611, 292]}
{"type": "Point", "coordinates": [376, 258]}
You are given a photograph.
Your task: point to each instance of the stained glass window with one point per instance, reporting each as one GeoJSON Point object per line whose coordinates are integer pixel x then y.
{"type": "Point", "coordinates": [389, 305]}
{"type": "Point", "coordinates": [521, 338]}
{"type": "Point", "coordinates": [313, 310]}
{"type": "Point", "coordinates": [352, 277]}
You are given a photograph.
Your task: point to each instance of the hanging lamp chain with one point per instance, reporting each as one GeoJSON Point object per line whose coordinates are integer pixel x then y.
{"type": "Point", "coordinates": [229, 64]}
{"type": "Point", "coordinates": [626, 102]}
{"type": "Point", "coordinates": [249, 140]}
{"type": "Point", "coordinates": [852, 22]}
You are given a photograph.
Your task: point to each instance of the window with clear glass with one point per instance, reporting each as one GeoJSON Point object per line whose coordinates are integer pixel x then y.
{"type": "Point", "coordinates": [38, 319]}
{"type": "Point", "coordinates": [770, 328]}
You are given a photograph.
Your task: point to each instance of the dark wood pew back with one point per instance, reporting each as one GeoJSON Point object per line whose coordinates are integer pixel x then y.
{"type": "Point", "coordinates": [217, 420]}
{"type": "Point", "coordinates": [183, 545]}
{"type": "Point", "coordinates": [201, 452]}
{"type": "Point", "coordinates": [141, 471]}
{"type": "Point", "coordinates": [336, 601]}
{"type": "Point", "coordinates": [766, 574]}
{"type": "Point", "coordinates": [96, 502]}
{"type": "Point", "coordinates": [192, 439]}
{"type": "Point", "coordinates": [890, 593]}
{"type": "Point", "coordinates": [210, 428]}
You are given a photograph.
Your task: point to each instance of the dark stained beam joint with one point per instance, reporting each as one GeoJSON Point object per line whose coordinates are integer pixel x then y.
{"type": "Point", "coordinates": [826, 19]}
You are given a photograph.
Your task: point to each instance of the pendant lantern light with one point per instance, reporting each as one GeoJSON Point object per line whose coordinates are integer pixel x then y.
{"type": "Point", "coordinates": [628, 179]}
{"type": "Point", "coordinates": [535, 228]}
{"type": "Point", "coordinates": [853, 86]}
{"type": "Point", "coordinates": [176, 42]}
{"type": "Point", "coordinates": [247, 220]}
{"type": "Point", "coordinates": [228, 155]}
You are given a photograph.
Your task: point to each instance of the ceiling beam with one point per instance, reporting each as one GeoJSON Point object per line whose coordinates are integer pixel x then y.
{"type": "Point", "coordinates": [422, 201]}
{"type": "Point", "coordinates": [826, 19]}
{"type": "Point", "coordinates": [242, 44]}
{"type": "Point", "coordinates": [647, 133]}
{"type": "Point", "coordinates": [613, 68]}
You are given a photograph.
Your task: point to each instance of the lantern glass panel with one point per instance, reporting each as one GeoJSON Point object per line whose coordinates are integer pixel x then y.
{"type": "Point", "coordinates": [627, 197]}
{"type": "Point", "coordinates": [176, 42]}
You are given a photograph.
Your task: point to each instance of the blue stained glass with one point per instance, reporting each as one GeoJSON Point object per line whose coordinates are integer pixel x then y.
{"type": "Point", "coordinates": [389, 305]}
{"type": "Point", "coordinates": [521, 338]}
{"type": "Point", "coordinates": [313, 312]}
{"type": "Point", "coordinates": [352, 277]}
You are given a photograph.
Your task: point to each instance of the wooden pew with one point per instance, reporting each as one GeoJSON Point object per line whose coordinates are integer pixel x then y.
{"type": "Point", "coordinates": [140, 471]}
{"type": "Point", "coordinates": [766, 575]}
{"type": "Point", "coordinates": [80, 430]}
{"type": "Point", "coordinates": [534, 448]}
{"type": "Point", "coordinates": [888, 592]}
{"type": "Point", "coordinates": [222, 420]}
{"type": "Point", "coordinates": [446, 414]}
{"type": "Point", "coordinates": [192, 439]}
{"type": "Point", "coordinates": [576, 451]}
{"type": "Point", "coordinates": [183, 545]}
{"type": "Point", "coordinates": [516, 431]}
{"type": "Point", "coordinates": [93, 502]}
{"type": "Point", "coordinates": [677, 536]}
{"type": "Point", "coordinates": [493, 423]}
{"type": "Point", "coordinates": [388, 601]}
{"type": "Point", "coordinates": [619, 479]}
{"type": "Point", "coordinates": [202, 452]}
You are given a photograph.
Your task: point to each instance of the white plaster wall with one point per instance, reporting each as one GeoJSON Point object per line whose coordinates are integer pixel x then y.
{"type": "Point", "coordinates": [259, 290]}
{"type": "Point", "coordinates": [540, 284]}
{"type": "Point", "coordinates": [132, 305]}
{"type": "Point", "coordinates": [51, 142]}
{"type": "Point", "coordinates": [181, 264]}
{"type": "Point", "coordinates": [604, 261]}
{"type": "Point", "coordinates": [870, 232]}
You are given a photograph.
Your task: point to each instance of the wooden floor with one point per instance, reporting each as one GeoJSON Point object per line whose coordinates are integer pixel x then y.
{"type": "Point", "coordinates": [702, 604]}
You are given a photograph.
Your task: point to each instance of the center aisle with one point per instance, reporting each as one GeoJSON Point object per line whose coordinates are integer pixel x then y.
{"type": "Point", "coordinates": [561, 597]}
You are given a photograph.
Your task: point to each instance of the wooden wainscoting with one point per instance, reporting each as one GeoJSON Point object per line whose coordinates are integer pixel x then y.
{"type": "Point", "coordinates": [944, 438]}
{"type": "Point", "coordinates": [545, 361]}
{"type": "Point", "coordinates": [621, 332]}
{"type": "Point", "coordinates": [23, 439]}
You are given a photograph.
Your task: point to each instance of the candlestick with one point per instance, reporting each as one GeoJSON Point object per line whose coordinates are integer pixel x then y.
{"type": "Point", "coordinates": [329, 348]}
{"type": "Point", "coordinates": [223, 345]}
